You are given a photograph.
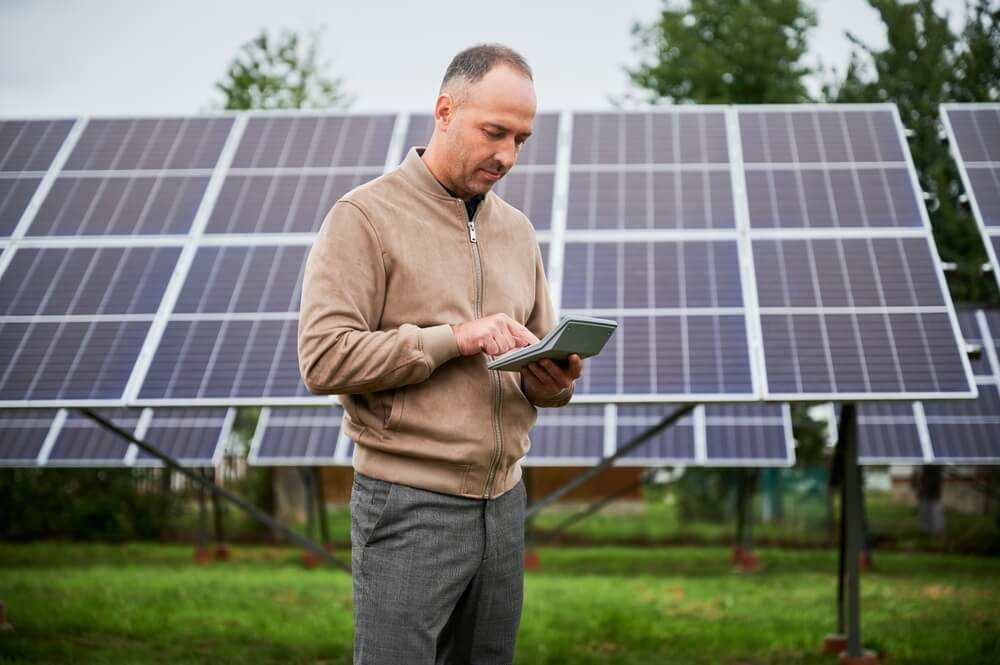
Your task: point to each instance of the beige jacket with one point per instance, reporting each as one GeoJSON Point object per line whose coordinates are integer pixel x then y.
{"type": "Point", "coordinates": [395, 263]}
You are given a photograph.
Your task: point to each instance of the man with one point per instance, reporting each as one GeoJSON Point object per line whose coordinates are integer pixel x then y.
{"type": "Point", "coordinates": [415, 280]}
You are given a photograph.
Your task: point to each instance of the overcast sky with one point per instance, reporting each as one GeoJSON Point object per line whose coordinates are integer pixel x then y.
{"type": "Point", "coordinates": [118, 57]}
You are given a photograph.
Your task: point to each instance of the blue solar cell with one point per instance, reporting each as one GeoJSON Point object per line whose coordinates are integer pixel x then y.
{"type": "Point", "coordinates": [73, 360]}
{"type": "Point", "coordinates": [815, 136]}
{"type": "Point", "coordinates": [225, 359]}
{"type": "Point", "coordinates": [607, 275]}
{"type": "Point", "coordinates": [22, 434]}
{"type": "Point", "coordinates": [650, 138]}
{"type": "Point", "coordinates": [86, 280]}
{"type": "Point", "coordinates": [193, 437]}
{"type": "Point", "coordinates": [119, 205]}
{"type": "Point", "coordinates": [826, 198]}
{"type": "Point", "coordinates": [15, 195]}
{"type": "Point", "coordinates": [245, 279]}
{"type": "Point", "coordinates": [575, 432]}
{"type": "Point", "coordinates": [861, 353]}
{"type": "Point", "coordinates": [83, 443]}
{"type": "Point", "coordinates": [149, 143]}
{"type": "Point", "coordinates": [287, 141]}
{"type": "Point", "coordinates": [977, 131]}
{"type": "Point", "coordinates": [631, 200]}
{"type": "Point", "coordinates": [299, 436]}
{"type": "Point", "coordinates": [967, 430]}
{"type": "Point", "coordinates": [31, 145]}
{"type": "Point", "coordinates": [672, 355]}
{"type": "Point", "coordinates": [674, 444]}
{"type": "Point", "coordinates": [846, 272]}
{"type": "Point", "coordinates": [985, 183]}
{"type": "Point", "coordinates": [279, 203]}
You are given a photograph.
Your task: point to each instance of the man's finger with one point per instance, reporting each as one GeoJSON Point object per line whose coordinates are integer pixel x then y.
{"type": "Point", "coordinates": [524, 336]}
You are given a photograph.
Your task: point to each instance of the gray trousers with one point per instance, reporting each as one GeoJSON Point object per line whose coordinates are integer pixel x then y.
{"type": "Point", "coordinates": [438, 579]}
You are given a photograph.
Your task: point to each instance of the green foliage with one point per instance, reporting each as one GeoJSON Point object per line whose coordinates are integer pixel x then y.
{"type": "Point", "coordinates": [281, 73]}
{"type": "Point", "coordinates": [923, 65]}
{"type": "Point", "coordinates": [81, 504]}
{"type": "Point", "coordinates": [725, 51]}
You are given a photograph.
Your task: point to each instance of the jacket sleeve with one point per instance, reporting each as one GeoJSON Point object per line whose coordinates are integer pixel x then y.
{"type": "Point", "coordinates": [341, 349]}
{"type": "Point", "coordinates": [541, 320]}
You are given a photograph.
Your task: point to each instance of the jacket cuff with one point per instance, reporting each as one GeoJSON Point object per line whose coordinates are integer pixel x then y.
{"type": "Point", "coordinates": [561, 398]}
{"type": "Point", "coordinates": [439, 344]}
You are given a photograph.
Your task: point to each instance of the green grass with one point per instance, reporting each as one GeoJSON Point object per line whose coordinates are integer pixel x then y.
{"type": "Point", "coordinates": [141, 603]}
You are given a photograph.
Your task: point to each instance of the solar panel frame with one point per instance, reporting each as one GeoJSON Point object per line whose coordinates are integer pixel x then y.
{"type": "Point", "coordinates": [135, 421]}
{"type": "Point", "coordinates": [990, 234]}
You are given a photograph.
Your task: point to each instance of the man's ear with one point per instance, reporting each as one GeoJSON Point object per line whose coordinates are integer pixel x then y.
{"type": "Point", "coordinates": [444, 111]}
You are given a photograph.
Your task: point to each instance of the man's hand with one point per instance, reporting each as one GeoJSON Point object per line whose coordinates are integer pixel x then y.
{"type": "Point", "coordinates": [544, 380]}
{"type": "Point", "coordinates": [493, 335]}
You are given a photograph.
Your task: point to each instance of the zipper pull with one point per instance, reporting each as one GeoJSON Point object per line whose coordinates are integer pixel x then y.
{"type": "Point", "coordinates": [472, 231]}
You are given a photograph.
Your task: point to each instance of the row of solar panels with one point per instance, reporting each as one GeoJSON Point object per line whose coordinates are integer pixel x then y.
{"type": "Point", "coordinates": [959, 431]}
{"type": "Point", "coordinates": [759, 435]}
{"type": "Point", "coordinates": [775, 252]}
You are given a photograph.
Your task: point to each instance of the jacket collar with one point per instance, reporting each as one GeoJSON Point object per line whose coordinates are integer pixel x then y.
{"type": "Point", "coordinates": [416, 172]}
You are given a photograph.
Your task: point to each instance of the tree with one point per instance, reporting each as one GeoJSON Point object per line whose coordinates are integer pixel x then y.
{"type": "Point", "coordinates": [282, 73]}
{"type": "Point", "coordinates": [725, 51]}
{"type": "Point", "coordinates": [923, 65]}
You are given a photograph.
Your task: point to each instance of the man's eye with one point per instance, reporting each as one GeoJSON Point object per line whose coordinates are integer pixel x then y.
{"type": "Point", "coordinates": [492, 135]}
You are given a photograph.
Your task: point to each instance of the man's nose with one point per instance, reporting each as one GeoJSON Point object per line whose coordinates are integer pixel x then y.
{"type": "Point", "coordinates": [506, 154]}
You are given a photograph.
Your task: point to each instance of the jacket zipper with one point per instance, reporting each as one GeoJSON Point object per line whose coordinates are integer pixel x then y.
{"type": "Point", "coordinates": [494, 374]}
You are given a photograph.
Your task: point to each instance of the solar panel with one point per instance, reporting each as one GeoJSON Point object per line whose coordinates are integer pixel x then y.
{"type": "Point", "coordinates": [974, 136]}
{"type": "Point", "coordinates": [81, 442]}
{"type": "Point", "coordinates": [741, 434]}
{"type": "Point", "coordinates": [572, 435]}
{"type": "Point", "coordinates": [232, 332]}
{"type": "Point", "coordinates": [23, 433]}
{"type": "Point", "coordinates": [754, 252]}
{"type": "Point", "coordinates": [193, 437]}
{"type": "Point", "coordinates": [73, 319]}
{"type": "Point", "coordinates": [851, 298]}
{"type": "Point", "coordinates": [27, 150]}
{"type": "Point", "coordinates": [304, 436]}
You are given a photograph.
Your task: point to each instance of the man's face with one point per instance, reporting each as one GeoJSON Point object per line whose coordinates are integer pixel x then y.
{"type": "Point", "coordinates": [484, 132]}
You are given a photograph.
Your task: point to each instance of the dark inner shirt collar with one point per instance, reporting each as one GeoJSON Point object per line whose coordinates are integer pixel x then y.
{"type": "Point", "coordinates": [471, 205]}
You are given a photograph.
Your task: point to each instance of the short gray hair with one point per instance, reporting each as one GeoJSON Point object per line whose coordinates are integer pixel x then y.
{"type": "Point", "coordinates": [472, 64]}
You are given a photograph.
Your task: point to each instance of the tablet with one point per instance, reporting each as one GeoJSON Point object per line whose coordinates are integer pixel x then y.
{"type": "Point", "coordinates": [583, 335]}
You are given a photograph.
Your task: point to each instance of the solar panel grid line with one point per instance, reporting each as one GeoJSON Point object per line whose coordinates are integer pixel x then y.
{"type": "Point", "coordinates": [925, 436]}
{"type": "Point", "coordinates": [397, 142]}
{"type": "Point", "coordinates": [256, 440]}
{"type": "Point", "coordinates": [989, 345]}
{"type": "Point", "coordinates": [141, 429]}
{"type": "Point", "coordinates": [700, 436]}
{"type": "Point", "coordinates": [343, 444]}
{"type": "Point", "coordinates": [50, 439]}
{"type": "Point", "coordinates": [176, 283]}
{"type": "Point", "coordinates": [610, 429]}
{"type": "Point", "coordinates": [748, 281]}
{"type": "Point", "coordinates": [47, 181]}
{"type": "Point", "coordinates": [560, 207]}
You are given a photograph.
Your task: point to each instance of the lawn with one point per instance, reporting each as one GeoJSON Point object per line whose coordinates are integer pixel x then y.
{"type": "Point", "coordinates": [139, 603]}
